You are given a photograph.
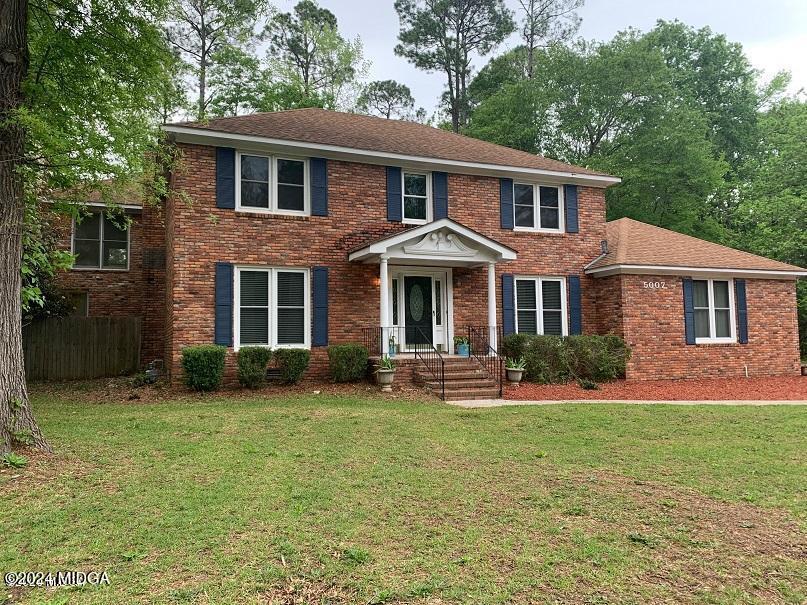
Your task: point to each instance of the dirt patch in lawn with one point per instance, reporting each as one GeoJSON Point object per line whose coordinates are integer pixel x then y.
{"type": "Point", "coordinates": [696, 545]}
{"type": "Point", "coordinates": [791, 388]}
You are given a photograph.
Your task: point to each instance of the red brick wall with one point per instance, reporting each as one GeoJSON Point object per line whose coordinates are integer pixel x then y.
{"type": "Point", "coordinates": [608, 296]}
{"type": "Point", "coordinates": [653, 326]}
{"type": "Point", "coordinates": [199, 234]}
{"type": "Point", "coordinates": [132, 293]}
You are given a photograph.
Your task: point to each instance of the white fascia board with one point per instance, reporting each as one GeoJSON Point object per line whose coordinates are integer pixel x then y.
{"type": "Point", "coordinates": [705, 271]}
{"type": "Point", "coordinates": [184, 134]}
{"type": "Point", "coordinates": [382, 246]}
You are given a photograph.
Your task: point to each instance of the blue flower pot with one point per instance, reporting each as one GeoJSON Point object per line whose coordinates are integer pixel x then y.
{"type": "Point", "coordinates": [463, 350]}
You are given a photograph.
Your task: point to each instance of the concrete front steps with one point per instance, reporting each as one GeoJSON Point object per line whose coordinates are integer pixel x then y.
{"type": "Point", "coordinates": [465, 379]}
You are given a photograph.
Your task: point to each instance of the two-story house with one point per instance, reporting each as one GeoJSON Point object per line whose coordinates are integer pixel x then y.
{"type": "Point", "coordinates": [306, 228]}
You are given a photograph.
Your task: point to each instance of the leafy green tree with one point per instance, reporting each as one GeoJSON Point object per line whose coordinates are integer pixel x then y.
{"type": "Point", "coordinates": [444, 35]}
{"type": "Point", "coordinates": [388, 99]}
{"type": "Point", "coordinates": [547, 22]}
{"type": "Point", "coordinates": [610, 106]}
{"type": "Point", "coordinates": [771, 217]}
{"type": "Point", "coordinates": [311, 59]}
{"type": "Point", "coordinates": [202, 31]}
{"type": "Point", "coordinates": [238, 79]}
{"type": "Point", "coordinates": [81, 94]}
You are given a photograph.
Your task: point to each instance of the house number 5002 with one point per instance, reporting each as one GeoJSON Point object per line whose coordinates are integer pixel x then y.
{"type": "Point", "coordinates": [655, 285]}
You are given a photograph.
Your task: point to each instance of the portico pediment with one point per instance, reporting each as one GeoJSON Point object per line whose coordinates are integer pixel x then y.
{"type": "Point", "coordinates": [442, 242]}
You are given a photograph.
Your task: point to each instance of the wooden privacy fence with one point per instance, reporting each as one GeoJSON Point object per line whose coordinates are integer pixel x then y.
{"type": "Point", "coordinates": [71, 348]}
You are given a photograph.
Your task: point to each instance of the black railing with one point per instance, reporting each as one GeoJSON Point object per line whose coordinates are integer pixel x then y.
{"type": "Point", "coordinates": [378, 341]}
{"type": "Point", "coordinates": [482, 341]}
{"type": "Point", "coordinates": [432, 359]}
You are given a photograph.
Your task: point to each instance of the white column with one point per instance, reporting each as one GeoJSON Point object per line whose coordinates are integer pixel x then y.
{"type": "Point", "coordinates": [384, 306]}
{"type": "Point", "coordinates": [492, 303]}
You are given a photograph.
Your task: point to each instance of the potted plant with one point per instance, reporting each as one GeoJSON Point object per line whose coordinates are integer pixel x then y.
{"type": "Point", "coordinates": [462, 346]}
{"type": "Point", "coordinates": [392, 349]}
{"type": "Point", "coordinates": [385, 373]}
{"type": "Point", "coordinates": [515, 370]}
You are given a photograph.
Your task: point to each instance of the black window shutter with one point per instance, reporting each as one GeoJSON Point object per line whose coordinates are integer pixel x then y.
{"type": "Point", "coordinates": [570, 198]}
{"type": "Point", "coordinates": [225, 177]}
{"type": "Point", "coordinates": [506, 202]}
{"type": "Point", "coordinates": [689, 312]}
{"type": "Point", "coordinates": [223, 331]}
{"type": "Point", "coordinates": [319, 186]}
{"type": "Point", "coordinates": [508, 304]}
{"type": "Point", "coordinates": [320, 285]}
{"type": "Point", "coordinates": [575, 305]}
{"type": "Point", "coordinates": [394, 194]}
{"type": "Point", "coordinates": [742, 311]}
{"type": "Point", "coordinates": [440, 194]}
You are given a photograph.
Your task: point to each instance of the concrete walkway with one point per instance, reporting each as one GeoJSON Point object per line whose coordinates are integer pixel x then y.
{"type": "Point", "coordinates": [496, 403]}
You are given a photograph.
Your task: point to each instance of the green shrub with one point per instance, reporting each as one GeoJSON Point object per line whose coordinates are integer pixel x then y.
{"type": "Point", "coordinates": [348, 363]}
{"type": "Point", "coordinates": [514, 345]}
{"type": "Point", "coordinates": [292, 364]}
{"type": "Point", "coordinates": [203, 366]}
{"type": "Point", "coordinates": [555, 359]}
{"type": "Point", "coordinates": [252, 362]}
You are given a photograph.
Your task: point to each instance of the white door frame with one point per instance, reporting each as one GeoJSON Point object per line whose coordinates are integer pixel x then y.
{"type": "Point", "coordinates": [445, 274]}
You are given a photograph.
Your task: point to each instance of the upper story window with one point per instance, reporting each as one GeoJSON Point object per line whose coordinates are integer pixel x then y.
{"type": "Point", "coordinates": [416, 197]}
{"type": "Point", "coordinates": [713, 300]}
{"type": "Point", "coordinates": [541, 305]}
{"type": "Point", "coordinates": [272, 307]}
{"type": "Point", "coordinates": [99, 242]}
{"type": "Point", "coordinates": [537, 207]}
{"type": "Point", "coordinates": [272, 184]}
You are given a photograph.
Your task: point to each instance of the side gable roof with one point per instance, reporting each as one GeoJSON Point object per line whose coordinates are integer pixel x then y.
{"type": "Point", "coordinates": [361, 132]}
{"type": "Point", "coordinates": [634, 246]}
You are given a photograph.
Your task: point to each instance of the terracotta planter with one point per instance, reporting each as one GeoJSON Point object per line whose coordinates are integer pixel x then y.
{"type": "Point", "coordinates": [385, 378]}
{"type": "Point", "coordinates": [514, 376]}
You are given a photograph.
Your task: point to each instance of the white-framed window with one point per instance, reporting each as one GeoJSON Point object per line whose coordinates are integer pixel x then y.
{"type": "Point", "coordinates": [541, 305]}
{"type": "Point", "coordinates": [272, 307]}
{"type": "Point", "coordinates": [272, 184]}
{"type": "Point", "coordinates": [537, 207]}
{"type": "Point", "coordinates": [417, 197]}
{"type": "Point", "coordinates": [713, 300]}
{"type": "Point", "coordinates": [101, 242]}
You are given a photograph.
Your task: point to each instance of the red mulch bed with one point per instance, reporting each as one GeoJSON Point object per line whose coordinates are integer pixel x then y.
{"type": "Point", "coordinates": [714, 389]}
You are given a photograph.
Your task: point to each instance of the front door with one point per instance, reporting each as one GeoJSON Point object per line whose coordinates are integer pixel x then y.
{"type": "Point", "coordinates": [418, 309]}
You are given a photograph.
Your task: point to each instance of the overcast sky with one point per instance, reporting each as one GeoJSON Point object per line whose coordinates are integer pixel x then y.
{"type": "Point", "coordinates": [773, 32]}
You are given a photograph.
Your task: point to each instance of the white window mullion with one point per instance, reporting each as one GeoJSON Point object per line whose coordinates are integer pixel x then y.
{"type": "Point", "coordinates": [711, 294]}
{"type": "Point", "coordinates": [539, 303]}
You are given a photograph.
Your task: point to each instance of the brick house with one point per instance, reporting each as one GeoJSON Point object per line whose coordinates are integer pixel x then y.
{"type": "Point", "coordinates": [307, 228]}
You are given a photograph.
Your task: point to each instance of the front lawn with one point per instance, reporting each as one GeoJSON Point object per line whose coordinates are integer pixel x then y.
{"type": "Point", "coordinates": [345, 499]}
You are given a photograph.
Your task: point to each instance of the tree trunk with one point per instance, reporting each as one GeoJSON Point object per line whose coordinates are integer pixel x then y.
{"type": "Point", "coordinates": [17, 424]}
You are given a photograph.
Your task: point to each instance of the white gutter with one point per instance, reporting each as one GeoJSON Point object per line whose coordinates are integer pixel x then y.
{"type": "Point", "coordinates": [678, 270]}
{"type": "Point", "coordinates": [186, 134]}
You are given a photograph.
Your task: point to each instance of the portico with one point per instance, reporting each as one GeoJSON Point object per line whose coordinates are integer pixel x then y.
{"type": "Point", "coordinates": [416, 280]}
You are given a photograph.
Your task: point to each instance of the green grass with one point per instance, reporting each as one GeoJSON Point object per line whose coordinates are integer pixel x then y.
{"type": "Point", "coordinates": [328, 499]}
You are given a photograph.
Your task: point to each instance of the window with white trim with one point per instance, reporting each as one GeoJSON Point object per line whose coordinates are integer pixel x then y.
{"type": "Point", "coordinates": [537, 207]}
{"type": "Point", "coordinates": [713, 301]}
{"type": "Point", "coordinates": [541, 305]}
{"type": "Point", "coordinates": [272, 184]}
{"type": "Point", "coordinates": [101, 242]}
{"type": "Point", "coordinates": [416, 197]}
{"type": "Point", "coordinates": [272, 307]}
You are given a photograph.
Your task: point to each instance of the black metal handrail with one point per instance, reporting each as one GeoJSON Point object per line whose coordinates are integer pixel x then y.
{"type": "Point", "coordinates": [482, 349]}
{"type": "Point", "coordinates": [433, 360]}
{"type": "Point", "coordinates": [377, 340]}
